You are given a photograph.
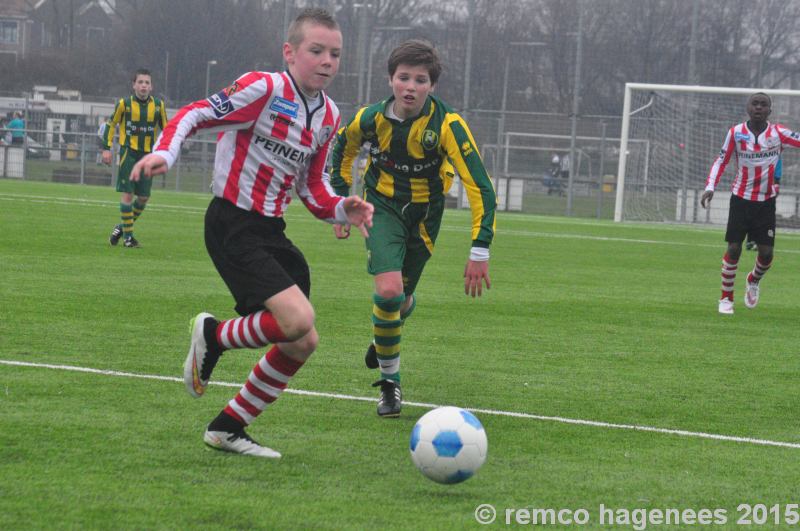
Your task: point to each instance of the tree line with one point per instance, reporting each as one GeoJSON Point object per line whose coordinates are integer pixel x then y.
{"type": "Point", "coordinates": [735, 43]}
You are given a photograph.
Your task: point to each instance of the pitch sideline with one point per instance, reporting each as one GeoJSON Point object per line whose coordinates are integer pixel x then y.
{"type": "Point", "coordinates": [562, 420]}
{"type": "Point", "coordinates": [447, 228]}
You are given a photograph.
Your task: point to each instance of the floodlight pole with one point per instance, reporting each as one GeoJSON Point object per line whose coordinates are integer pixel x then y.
{"type": "Point", "coordinates": [468, 61]}
{"type": "Point", "coordinates": [575, 101]}
{"type": "Point", "coordinates": [687, 126]}
{"type": "Point", "coordinates": [367, 99]}
{"type": "Point", "coordinates": [501, 126]}
{"type": "Point", "coordinates": [287, 18]}
{"type": "Point", "coordinates": [209, 64]}
{"type": "Point", "coordinates": [361, 49]}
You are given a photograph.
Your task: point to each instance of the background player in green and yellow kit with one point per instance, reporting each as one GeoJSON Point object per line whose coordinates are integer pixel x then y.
{"type": "Point", "coordinates": [413, 138]}
{"type": "Point", "coordinates": [137, 116]}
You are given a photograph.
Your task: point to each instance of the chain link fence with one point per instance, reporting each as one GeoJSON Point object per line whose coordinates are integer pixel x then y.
{"type": "Point", "coordinates": [518, 149]}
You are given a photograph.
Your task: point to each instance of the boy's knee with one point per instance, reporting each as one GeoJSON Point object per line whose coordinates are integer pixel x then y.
{"type": "Point", "coordinates": [310, 341]}
{"type": "Point", "coordinates": [293, 313]}
{"type": "Point", "coordinates": [389, 291]}
{"type": "Point", "coordinates": [301, 349]}
{"type": "Point", "coordinates": [734, 250]}
{"type": "Point", "coordinates": [299, 323]}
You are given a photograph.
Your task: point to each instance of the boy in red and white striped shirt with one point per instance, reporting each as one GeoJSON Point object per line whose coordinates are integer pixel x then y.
{"type": "Point", "coordinates": [275, 130]}
{"type": "Point", "coordinates": [756, 145]}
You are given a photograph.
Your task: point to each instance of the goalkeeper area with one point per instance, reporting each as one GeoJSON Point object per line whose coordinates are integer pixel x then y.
{"type": "Point", "coordinates": [671, 135]}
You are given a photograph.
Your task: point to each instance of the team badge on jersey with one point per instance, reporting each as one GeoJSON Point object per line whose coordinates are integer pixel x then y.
{"type": "Point", "coordinates": [232, 89]}
{"type": "Point", "coordinates": [429, 139]}
{"type": "Point", "coordinates": [325, 133]}
{"type": "Point", "coordinates": [221, 104]}
{"type": "Point", "coordinates": [466, 149]}
{"type": "Point", "coordinates": [284, 106]}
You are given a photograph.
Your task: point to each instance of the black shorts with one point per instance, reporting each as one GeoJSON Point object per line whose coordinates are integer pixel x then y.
{"type": "Point", "coordinates": [756, 218]}
{"type": "Point", "coordinates": [253, 255]}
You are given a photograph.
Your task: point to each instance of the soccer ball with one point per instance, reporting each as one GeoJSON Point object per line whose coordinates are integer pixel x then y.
{"type": "Point", "coordinates": [448, 444]}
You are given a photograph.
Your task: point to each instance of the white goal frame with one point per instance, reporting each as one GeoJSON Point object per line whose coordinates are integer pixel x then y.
{"type": "Point", "coordinates": [626, 120]}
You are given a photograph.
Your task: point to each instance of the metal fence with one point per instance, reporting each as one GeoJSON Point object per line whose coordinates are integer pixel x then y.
{"type": "Point", "coordinates": [76, 158]}
{"type": "Point", "coordinates": [517, 149]}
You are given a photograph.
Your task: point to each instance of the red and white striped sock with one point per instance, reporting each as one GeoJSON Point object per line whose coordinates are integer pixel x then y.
{"type": "Point", "coordinates": [251, 331]}
{"type": "Point", "coordinates": [728, 276]}
{"type": "Point", "coordinates": [759, 270]}
{"type": "Point", "coordinates": [265, 384]}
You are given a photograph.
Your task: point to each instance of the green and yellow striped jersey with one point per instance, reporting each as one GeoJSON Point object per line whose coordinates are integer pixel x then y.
{"type": "Point", "coordinates": [137, 123]}
{"type": "Point", "coordinates": [410, 160]}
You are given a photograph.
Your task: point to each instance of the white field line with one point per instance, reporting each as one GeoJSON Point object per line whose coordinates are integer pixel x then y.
{"type": "Point", "coordinates": [92, 202]}
{"type": "Point", "coordinates": [617, 239]}
{"type": "Point", "coordinates": [562, 420]}
{"type": "Point", "coordinates": [448, 228]}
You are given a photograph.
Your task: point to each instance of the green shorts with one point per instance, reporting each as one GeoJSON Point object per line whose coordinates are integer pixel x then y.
{"type": "Point", "coordinates": [127, 158]}
{"type": "Point", "coordinates": [402, 237]}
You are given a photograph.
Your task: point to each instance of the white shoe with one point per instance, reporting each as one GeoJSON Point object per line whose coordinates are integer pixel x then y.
{"type": "Point", "coordinates": [751, 294]}
{"type": "Point", "coordinates": [238, 443]}
{"type": "Point", "coordinates": [199, 362]}
{"type": "Point", "coordinates": [726, 306]}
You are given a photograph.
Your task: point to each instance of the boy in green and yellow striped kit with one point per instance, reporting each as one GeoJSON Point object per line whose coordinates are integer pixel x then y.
{"type": "Point", "coordinates": [414, 137]}
{"type": "Point", "coordinates": [137, 117]}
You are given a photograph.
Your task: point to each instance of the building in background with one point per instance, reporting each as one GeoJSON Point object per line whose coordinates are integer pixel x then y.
{"type": "Point", "coordinates": [29, 27]}
{"type": "Point", "coordinates": [15, 32]}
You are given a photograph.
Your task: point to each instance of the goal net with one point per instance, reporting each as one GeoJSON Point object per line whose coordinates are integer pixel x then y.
{"type": "Point", "coordinates": [683, 129]}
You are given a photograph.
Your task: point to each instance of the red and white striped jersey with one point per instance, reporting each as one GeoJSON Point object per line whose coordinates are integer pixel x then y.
{"type": "Point", "coordinates": [269, 141]}
{"type": "Point", "coordinates": [756, 158]}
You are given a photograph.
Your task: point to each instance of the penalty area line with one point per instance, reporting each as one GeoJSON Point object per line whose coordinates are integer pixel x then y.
{"type": "Point", "coordinates": [494, 412]}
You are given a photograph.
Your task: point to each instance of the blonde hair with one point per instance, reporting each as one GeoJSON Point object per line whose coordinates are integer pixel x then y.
{"type": "Point", "coordinates": [313, 15]}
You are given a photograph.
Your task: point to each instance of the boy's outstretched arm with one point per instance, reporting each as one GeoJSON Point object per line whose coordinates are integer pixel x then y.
{"type": "Point", "coordinates": [110, 129]}
{"type": "Point", "coordinates": [718, 168]}
{"type": "Point", "coordinates": [463, 152]}
{"type": "Point", "coordinates": [346, 146]}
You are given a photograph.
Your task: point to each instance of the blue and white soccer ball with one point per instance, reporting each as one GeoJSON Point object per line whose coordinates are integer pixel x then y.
{"type": "Point", "coordinates": [448, 444]}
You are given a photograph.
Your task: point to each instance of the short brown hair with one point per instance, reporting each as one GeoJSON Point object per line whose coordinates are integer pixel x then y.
{"type": "Point", "coordinates": [312, 15]}
{"type": "Point", "coordinates": [140, 72]}
{"type": "Point", "coordinates": [416, 52]}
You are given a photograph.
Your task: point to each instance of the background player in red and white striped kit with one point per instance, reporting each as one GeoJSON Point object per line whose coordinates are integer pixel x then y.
{"type": "Point", "coordinates": [756, 145]}
{"type": "Point", "coordinates": [275, 132]}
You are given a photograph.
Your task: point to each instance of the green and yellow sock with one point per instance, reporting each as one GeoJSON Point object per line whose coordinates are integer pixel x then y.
{"type": "Point", "coordinates": [138, 208]}
{"type": "Point", "coordinates": [387, 328]}
{"type": "Point", "coordinates": [126, 213]}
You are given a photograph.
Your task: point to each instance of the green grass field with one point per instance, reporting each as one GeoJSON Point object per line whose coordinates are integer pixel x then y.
{"type": "Point", "coordinates": [585, 320]}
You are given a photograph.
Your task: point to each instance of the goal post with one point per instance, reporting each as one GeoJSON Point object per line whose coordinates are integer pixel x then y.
{"type": "Point", "coordinates": [684, 127]}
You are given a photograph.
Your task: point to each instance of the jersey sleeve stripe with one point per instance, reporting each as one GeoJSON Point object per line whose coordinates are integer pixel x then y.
{"type": "Point", "coordinates": [787, 136]}
{"type": "Point", "coordinates": [114, 120]}
{"type": "Point", "coordinates": [480, 190]}
{"type": "Point", "coordinates": [248, 105]}
{"type": "Point", "coordinates": [315, 194]}
{"type": "Point", "coordinates": [718, 168]}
